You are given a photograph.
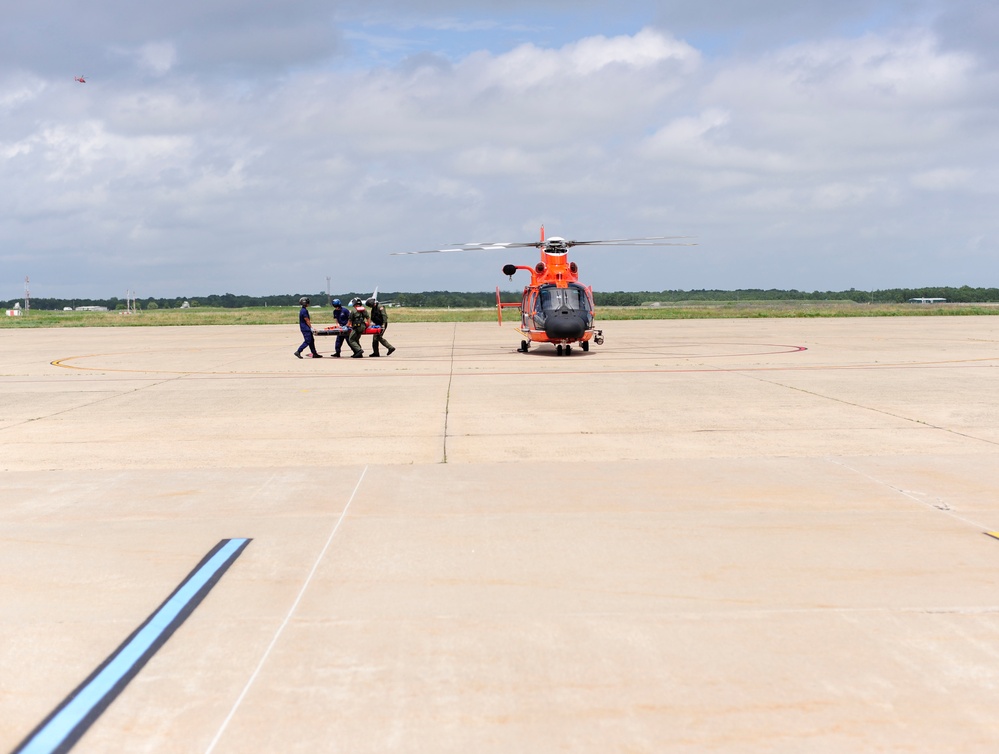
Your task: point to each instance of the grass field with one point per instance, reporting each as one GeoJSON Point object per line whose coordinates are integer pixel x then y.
{"type": "Point", "coordinates": [323, 317]}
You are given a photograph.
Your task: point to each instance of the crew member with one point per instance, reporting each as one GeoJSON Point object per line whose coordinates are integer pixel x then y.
{"type": "Point", "coordinates": [342, 317]}
{"type": "Point", "coordinates": [305, 325]}
{"type": "Point", "coordinates": [358, 324]}
{"type": "Point", "coordinates": [379, 317]}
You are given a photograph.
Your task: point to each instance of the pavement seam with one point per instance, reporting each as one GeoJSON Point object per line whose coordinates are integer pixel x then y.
{"type": "Point", "coordinates": [920, 422]}
{"type": "Point", "coordinates": [91, 403]}
{"type": "Point", "coordinates": [287, 618]}
{"type": "Point", "coordinates": [946, 508]}
{"type": "Point", "coordinates": [447, 400]}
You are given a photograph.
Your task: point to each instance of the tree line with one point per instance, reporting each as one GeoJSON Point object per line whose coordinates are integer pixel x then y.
{"type": "Point", "coordinates": [465, 300]}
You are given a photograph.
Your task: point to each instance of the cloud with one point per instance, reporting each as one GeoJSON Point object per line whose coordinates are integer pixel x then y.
{"type": "Point", "coordinates": [528, 66]}
{"type": "Point", "coordinates": [256, 147]}
{"type": "Point", "coordinates": [943, 179]}
{"type": "Point", "coordinates": [157, 57]}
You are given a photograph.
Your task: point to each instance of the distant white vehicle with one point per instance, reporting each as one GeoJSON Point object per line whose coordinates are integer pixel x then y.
{"type": "Point", "coordinates": [926, 300]}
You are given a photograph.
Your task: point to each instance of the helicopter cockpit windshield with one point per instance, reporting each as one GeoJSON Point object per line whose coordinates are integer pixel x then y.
{"type": "Point", "coordinates": [570, 300]}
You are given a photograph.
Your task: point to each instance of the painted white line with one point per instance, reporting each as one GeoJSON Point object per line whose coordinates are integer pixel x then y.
{"type": "Point", "coordinates": [287, 618]}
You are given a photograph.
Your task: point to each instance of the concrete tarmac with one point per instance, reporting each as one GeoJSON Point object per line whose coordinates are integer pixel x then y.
{"type": "Point", "coordinates": [703, 536]}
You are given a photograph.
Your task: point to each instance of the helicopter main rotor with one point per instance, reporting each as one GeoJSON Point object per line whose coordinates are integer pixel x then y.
{"type": "Point", "coordinates": [554, 244]}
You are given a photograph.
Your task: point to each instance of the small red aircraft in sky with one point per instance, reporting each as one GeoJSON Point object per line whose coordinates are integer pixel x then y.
{"type": "Point", "coordinates": [556, 308]}
{"type": "Point", "coordinates": [81, 79]}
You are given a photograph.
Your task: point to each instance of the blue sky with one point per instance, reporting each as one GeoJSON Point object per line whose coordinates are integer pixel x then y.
{"type": "Point", "coordinates": [258, 147]}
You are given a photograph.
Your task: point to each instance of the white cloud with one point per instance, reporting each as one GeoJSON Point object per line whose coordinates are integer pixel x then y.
{"type": "Point", "coordinates": [820, 86]}
{"type": "Point", "coordinates": [17, 90]}
{"type": "Point", "coordinates": [834, 196]}
{"type": "Point", "coordinates": [880, 142]}
{"type": "Point", "coordinates": [528, 66]}
{"type": "Point", "coordinates": [943, 179]}
{"type": "Point", "coordinates": [159, 57]}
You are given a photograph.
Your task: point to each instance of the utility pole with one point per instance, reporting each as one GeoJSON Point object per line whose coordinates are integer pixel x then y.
{"type": "Point", "coordinates": [329, 296]}
{"type": "Point", "coordinates": [27, 295]}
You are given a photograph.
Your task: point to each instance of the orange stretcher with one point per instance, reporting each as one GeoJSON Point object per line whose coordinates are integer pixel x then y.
{"type": "Point", "coordinates": [337, 330]}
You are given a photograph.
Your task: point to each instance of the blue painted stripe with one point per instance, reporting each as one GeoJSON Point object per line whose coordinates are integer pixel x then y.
{"type": "Point", "coordinates": [71, 719]}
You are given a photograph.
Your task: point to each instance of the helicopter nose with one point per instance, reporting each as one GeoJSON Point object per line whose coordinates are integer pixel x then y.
{"type": "Point", "coordinates": [564, 326]}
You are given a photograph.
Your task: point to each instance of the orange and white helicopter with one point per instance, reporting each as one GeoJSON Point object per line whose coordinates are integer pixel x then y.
{"type": "Point", "coordinates": [556, 308]}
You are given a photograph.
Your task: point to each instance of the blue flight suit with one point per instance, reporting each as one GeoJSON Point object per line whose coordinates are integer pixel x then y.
{"type": "Point", "coordinates": [306, 328]}
{"type": "Point", "coordinates": [342, 317]}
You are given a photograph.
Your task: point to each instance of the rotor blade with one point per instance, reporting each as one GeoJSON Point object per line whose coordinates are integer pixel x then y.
{"type": "Point", "coordinates": [649, 241]}
{"type": "Point", "coordinates": [498, 245]}
{"type": "Point", "coordinates": [468, 247]}
{"type": "Point", "coordinates": [476, 246]}
{"type": "Point", "coordinates": [426, 251]}
{"type": "Point", "coordinates": [635, 243]}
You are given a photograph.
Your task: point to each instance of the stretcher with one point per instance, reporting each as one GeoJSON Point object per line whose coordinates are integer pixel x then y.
{"type": "Point", "coordinates": [337, 330]}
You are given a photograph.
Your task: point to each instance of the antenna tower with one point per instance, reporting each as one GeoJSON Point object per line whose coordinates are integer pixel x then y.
{"type": "Point", "coordinates": [27, 295]}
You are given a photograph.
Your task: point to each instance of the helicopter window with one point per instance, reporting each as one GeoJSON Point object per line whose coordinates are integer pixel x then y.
{"type": "Point", "coordinates": [573, 298]}
{"type": "Point", "coordinates": [529, 312]}
{"type": "Point", "coordinates": [537, 312]}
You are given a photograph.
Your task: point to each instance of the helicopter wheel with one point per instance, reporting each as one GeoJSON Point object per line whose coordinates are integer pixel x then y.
{"type": "Point", "coordinates": [558, 350]}
{"type": "Point", "coordinates": [524, 345]}
{"type": "Point", "coordinates": [585, 345]}
{"type": "Point", "coordinates": [568, 350]}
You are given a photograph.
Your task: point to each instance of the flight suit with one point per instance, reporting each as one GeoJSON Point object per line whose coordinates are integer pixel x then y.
{"type": "Point", "coordinates": [342, 317]}
{"type": "Point", "coordinates": [358, 324]}
{"type": "Point", "coordinates": [305, 325]}
{"type": "Point", "coordinates": [380, 317]}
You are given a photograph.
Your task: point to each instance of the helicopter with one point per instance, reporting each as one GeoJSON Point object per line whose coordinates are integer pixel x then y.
{"type": "Point", "coordinates": [556, 308]}
{"type": "Point", "coordinates": [80, 79]}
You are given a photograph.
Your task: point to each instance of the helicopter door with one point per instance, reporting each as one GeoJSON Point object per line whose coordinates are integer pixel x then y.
{"type": "Point", "coordinates": [534, 318]}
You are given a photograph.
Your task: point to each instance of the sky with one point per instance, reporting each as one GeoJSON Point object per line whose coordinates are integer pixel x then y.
{"type": "Point", "coordinates": [262, 146]}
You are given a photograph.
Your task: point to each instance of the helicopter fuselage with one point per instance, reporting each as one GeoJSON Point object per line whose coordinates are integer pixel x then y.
{"type": "Point", "coordinates": [556, 308]}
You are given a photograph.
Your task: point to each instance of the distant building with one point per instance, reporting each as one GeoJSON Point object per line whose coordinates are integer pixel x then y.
{"type": "Point", "coordinates": [91, 308]}
{"type": "Point", "coordinates": [925, 300]}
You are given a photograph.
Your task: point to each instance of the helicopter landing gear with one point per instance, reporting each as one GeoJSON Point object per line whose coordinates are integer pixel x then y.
{"type": "Point", "coordinates": [558, 350]}
{"type": "Point", "coordinates": [598, 337]}
{"type": "Point", "coordinates": [524, 345]}
{"type": "Point", "coordinates": [568, 349]}
{"type": "Point", "coordinates": [585, 345]}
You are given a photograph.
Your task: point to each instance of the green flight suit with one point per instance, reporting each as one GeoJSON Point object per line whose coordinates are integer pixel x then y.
{"type": "Point", "coordinates": [358, 324]}
{"type": "Point", "coordinates": [379, 317]}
